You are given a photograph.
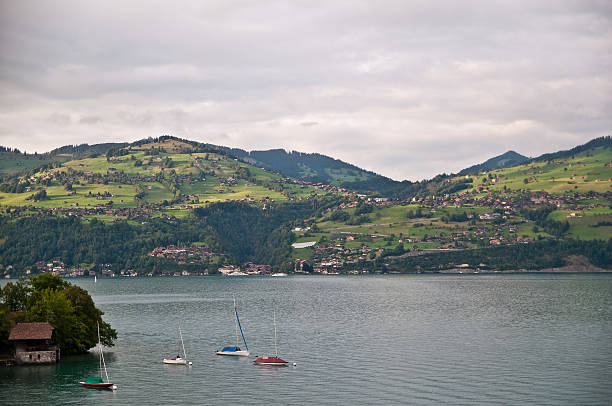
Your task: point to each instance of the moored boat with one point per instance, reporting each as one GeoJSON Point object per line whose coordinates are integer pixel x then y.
{"type": "Point", "coordinates": [269, 360]}
{"type": "Point", "coordinates": [175, 360]}
{"type": "Point", "coordinates": [178, 360]}
{"type": "Point", "coordinates": [235, 350]}
{"type": "Point", "coordinates": [98, 382]}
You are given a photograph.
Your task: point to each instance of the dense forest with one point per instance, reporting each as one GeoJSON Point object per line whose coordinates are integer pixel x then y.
{"type": "Point", "coordinates": [75, 242]}
{"type": "Point", "coordinates": [240, 231]}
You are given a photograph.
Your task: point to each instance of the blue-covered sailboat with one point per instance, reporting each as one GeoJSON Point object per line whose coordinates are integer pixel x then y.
{"type": "Point", "coordinates": [236, 350]}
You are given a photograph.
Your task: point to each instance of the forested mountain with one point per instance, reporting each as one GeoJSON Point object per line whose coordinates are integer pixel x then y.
{"type": "Point", "coordinates": [315, 168]}
{"type": "Point", "coordinates": [504, 160]}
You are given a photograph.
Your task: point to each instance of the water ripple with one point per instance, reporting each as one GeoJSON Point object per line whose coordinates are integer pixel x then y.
{"type": "Point", "coordinates": [488, 339]}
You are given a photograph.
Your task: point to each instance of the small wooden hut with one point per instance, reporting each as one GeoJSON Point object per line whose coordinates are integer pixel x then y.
{"type": "Point", "coordinates": [33, 343]}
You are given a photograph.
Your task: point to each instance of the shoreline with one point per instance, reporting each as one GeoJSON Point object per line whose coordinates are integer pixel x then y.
{"type": "Point", "coordinates": [570, 269]}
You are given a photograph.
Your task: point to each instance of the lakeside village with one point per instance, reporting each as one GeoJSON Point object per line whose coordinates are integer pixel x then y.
{"type": "Point", "coordinates": [182, 256]}
{"type": "Point", "coordinates": [499, 225]}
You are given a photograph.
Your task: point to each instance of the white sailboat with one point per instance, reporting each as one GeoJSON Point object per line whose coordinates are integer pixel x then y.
{"type": "Point", "coordinates": [178, 360]}
{"type": "Point", "coordinates": [236, 350]}
{"type": "Point", "coordinates": [98, 382]}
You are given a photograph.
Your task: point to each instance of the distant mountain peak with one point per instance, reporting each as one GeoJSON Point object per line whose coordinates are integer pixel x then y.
{"type": "Point", "coordinates": [505, 160]}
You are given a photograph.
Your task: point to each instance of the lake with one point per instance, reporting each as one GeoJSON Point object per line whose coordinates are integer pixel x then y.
{"type": "Point", "coordinates": [357, 340]}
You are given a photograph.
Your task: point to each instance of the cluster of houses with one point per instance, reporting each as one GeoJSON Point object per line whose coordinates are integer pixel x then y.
{"type": "Point", "coordinates": [54, 267]}
{"type": "Point", "coordinates": [248, 269]}
{"type": "Point", "coordinates": [317, 185]}
{"type": "Point", "coordinates": [183, 255]}
{"type": "Point", "coordinates": [513, 201]}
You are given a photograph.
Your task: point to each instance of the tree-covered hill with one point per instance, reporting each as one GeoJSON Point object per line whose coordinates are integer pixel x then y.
{"type": "Point", "coordinates": [504, 160]}
{"type": "Point", "coordinates": [313, 167]}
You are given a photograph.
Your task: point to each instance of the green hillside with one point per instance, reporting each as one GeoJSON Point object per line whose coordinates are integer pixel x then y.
{"type": "Point", "coordinates": [564, 198]}
{"type": "Point", "coordinates": [167, 192]}
{"type": "Point", "coordinates": [166, 173]}
{"type": "Point", "coordinates": [590, 170]}
{"type": "Point", "coordinates": [15, 163]}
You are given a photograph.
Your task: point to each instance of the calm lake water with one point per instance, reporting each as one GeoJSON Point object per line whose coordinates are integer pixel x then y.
{"type": "Point", "coordinates": [418, 339]}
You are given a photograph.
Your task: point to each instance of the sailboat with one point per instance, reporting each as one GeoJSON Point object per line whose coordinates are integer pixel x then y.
{"type": "Point", "coordinates": [275, 360]}
{"type": "Point", "coordinates": [235, 350]}
{"type": "Point", "coordinates": [178, 360]}
{"type": "Point", "coordinates": [98, 382]}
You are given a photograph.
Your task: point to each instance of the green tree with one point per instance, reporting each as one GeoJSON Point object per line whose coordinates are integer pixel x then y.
{"type": "Point", "coordinates": [90, 316]}
{"type": "Point", "coordinates": [54, 307]}
{"type": "Point", "coordinates": [8, 319]}
{"type": "Point", "coordinates": [15, 295]}
{"type": "Point", "coordinates": [48, 281]}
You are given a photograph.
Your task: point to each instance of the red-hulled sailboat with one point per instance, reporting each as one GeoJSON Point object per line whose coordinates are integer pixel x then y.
{"type": "Point", "coordinates": [275, 360]}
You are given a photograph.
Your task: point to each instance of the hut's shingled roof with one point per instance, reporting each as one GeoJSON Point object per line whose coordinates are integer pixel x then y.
{"type": "Point", "coordinates": [31, 331]}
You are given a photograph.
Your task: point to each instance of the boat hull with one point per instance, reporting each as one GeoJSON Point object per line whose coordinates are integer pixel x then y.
{"type": "Point", "coordinates": [178, 361]}
{"type": "Point", "coordinates": [241, 353]}
{"type": "Point", "coordinates": [103, 385]}
{"type": "Point", "coordinates": [274, 361]}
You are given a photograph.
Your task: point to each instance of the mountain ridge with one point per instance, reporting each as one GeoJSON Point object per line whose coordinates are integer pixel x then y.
{"type": "Point", "coordinates": [310, 167]}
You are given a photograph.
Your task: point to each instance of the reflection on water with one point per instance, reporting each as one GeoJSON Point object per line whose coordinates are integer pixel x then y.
{"type": "Point", "coordinates": [419, 339]}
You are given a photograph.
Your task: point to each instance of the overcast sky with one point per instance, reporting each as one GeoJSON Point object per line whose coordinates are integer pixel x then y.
{"type": "Point", "coordinates": [407, 89]}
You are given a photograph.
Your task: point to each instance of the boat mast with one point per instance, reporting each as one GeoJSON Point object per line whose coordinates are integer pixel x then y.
{"type": "Point", "coordinates": [102, 355]}
{"type": "Point", "coordinates": [100, 360]}
{"type": "Point", "coordinates": [182, 344]}
{"type": "Point", "coordinates": [275, 347]}
{"type": "Point", "coordinates": [240, 326]}
{"type": "Point", "coordinates": [236, 321]}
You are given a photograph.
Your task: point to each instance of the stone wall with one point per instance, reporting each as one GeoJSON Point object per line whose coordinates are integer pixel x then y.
{"type": "Point", "coordinates": [35, 357]}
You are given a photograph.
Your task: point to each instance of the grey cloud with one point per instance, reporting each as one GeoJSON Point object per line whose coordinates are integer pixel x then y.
{"type": "Point", "coordinates": [89, 120]}
{"type": "Point", "coordinates": [406, 89]}
{"type": "Point", "coordinates": [59, 119]}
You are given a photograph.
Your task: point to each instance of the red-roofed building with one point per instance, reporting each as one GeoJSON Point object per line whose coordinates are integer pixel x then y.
{"type": "Point", "coordinates": [33, 343]}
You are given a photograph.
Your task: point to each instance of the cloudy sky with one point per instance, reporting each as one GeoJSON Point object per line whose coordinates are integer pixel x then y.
{"type": "Point", "coordinates": [405, 88]}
